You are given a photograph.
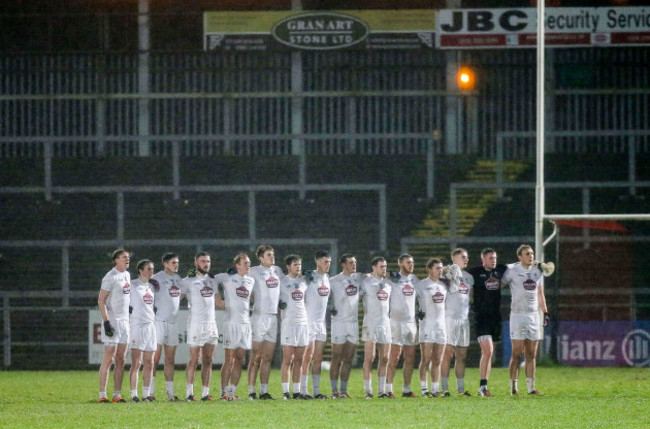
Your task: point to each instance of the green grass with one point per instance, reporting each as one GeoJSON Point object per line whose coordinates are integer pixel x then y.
{"type": "Point", "coordinates": [574, 397]}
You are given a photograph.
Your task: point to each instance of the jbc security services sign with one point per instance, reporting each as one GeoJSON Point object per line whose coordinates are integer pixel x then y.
{"type": "Point", "coordinates": [564, 27]}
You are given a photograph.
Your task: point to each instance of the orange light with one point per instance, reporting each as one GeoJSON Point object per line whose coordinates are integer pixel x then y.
{"type": "Point", "coordinates": [466, 79]}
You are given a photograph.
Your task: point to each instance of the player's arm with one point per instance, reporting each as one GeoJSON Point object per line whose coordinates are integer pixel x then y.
{"type": "Point", "coordinates": [542, 298]}
{"type": "Point", "coordinates": [101, 303]}
{"type": "Point", "coordinates": [219, 301]}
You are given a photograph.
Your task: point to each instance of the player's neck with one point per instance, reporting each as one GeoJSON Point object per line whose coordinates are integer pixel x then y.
{"type": "Point", "coordinates": [144, 279]}
{"type": "Point", "coordinates": [293, 276]}
{"type": "Point", "coordinates": [169, 273]}
{"type": "Point", "coordinates": [266, 266]}
{"type": "Point", "coordinates": [434, 279]}
{"type": "Point", "coordinates": [377, 276]}
{"type": "Point", "coordinates": [347, 273]}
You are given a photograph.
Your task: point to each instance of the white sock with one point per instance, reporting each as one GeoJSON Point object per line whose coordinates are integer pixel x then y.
{"type": "Point", "coordinates": [102, 395]}
{"type": "Point", "coordinates": [189, 390]}
{"type": "Point", "coordinates": [231, 390]}
{"type": "Point", "coordinates": [424, 386]}
{"type": "Point", "coordinates": [146, 392]}
{"type": "Point", "coordinates": [344, 386]}
{"type": "Point", "coordinates": [285, 387]}
{"type": "Point", "coordinates": [205, 391]}
{"type": "Point", "coordinates": [251, 388]}
{"type": "Point", "coordinates": [367, 386]}
{"type": "Point", "coordinates": [435, 386]}
{"type": "Point", "coordinates": [315, 379]}
{"type": "Point", "coordinates": [444, 381]}
{"type": "Point", "coordinates": [304, 380]}
{"type": "Point", "coordinates": [169, 386]}
{"type": "Point", "coordinates": [406, 388]}
{"type": "Point", "coordinates": [513, 385]}
{"type": "Point", "coordinates": [460, 383]}
{"type": "Point", "coordinates": [296, 387]}
{"type": "Point", "coordinates": [381, 385]}
{"type": "Point", "coordinates": [530, 382]}
{"type": "Point", "coordinates": [117, 394]}
{"type": "Point", "coordinates": [264, 388]}
{"type": "Point", "coordinates": [134, 393]}
{"type": "Point", "coordinates": [389, 387]}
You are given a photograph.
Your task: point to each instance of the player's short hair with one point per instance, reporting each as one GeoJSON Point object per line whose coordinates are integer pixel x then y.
{"type": "Point", "coordinates": [431, 262]}
{"type": "Point", "coordinates": [290, 259]}
{"type": "Point", "coordinates": [403, 256]}
{"type": "Point", "coordinates": [117, 253]}
{"type": "Point", "coordinates": [142, 263]}
{"type": "Point", "coordinates": [263, 248]}
{"type": "Point", "coordinates": [199, 254]}
{"type": "Point", "coordinates": [520, 249]}
{"type": "Point", "coordinates": [487, 250]}
{"type": "Point", "coordinates": [377, 259]}
{"type": "Point", "coordinates": [239, 257]}
{"type": "Point", "coordinates": [168, 257]}
{"type": "Point", "coordinates": [320, 254]}
{"type": "Point", "coordinates": [345, 257]}
{"type": "Point", "coordinates": [458, 251]}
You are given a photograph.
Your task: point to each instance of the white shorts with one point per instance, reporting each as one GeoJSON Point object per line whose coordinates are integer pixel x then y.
{"type": "Point", "coordinates": [525, 327]}
{"type": "Point", "coordinates": [202, 333]}
{"type": "Point", "coordinates": [317, 331]}
{"type": "Point", "coordinates": [434, 333]}
{"type": "Point", "coordinates": [166, 333]}
{"type": "Point", "coordinates": [121, 331]}
{"type": "Point", "coordinates": [143, 337]}
{"type": "Point", "coordinates": [345, 332]}
{"type": "Point", "coordinates": [379, 334]}
{"type": "Point", "coordinates": [458, 332]}
{"type": "Point", "coordinates": [237, 335]}
{"type": "Point", "coordinates": [264, 327]}
{"type": "Point", "coordinates": [294, 335]}
{"type": "Point", "coordinates": [404, 333]}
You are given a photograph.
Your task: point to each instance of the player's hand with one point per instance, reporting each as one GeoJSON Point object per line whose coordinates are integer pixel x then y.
{"type": "Point", "coordinates": [547, 319]}
{"type": "Point", "coordinates": [334, 311]}
{"type": "Point", "coordinates": [309, 274]}
{"type": "Point", "coordinates": [282, 305]}
{"type": "Point", "coordinates": [130, 309]}
{"type": "Point", "coordinates": [155, 284]}
{"type": "Point", "coordinates": [191, 272]}
{"type": "Point", "coordinates": [155, 310]}
{"type": "Point", "coordinates": [421, 314]}
{"type": "Point", "coordinates": [231, 271]}
{"type": "Point", "coordinates": [108, 329]}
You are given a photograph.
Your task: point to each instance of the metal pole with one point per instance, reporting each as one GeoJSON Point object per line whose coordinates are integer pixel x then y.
{"type": "Point", "coordinates": [120, 217]}
{"type": "Point", "coordinates": [382, 219]}
{"type": "Point", "coordinates": [500, 166]}
{"type": "Point", "coordinates": [539, 187]}
{"type": "Point", "coordinates": [143, 77]}
{"type": "Point", "coordinates": [252, 215]}
{"type": "Point", "coordinates": [430, 169]}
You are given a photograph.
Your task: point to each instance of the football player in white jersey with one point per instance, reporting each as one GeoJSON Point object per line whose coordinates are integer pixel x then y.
{"type": "Point", "coordinates": [143, 331]}
{"type": "Point", "coordinates": [167, 293]}
{"type": "Point", "coordinates": [527, 289]}
{"type": "Point", "coordinates": [375, 292]}
{"type": "Point", "coordinates": [403, 327]}
{"type": "Point", "coordinates": [295, 325]}
{"type": "Point", "coordinates": [203, 297]}
{"type": "Point", "coordinates": [318, 292]}
{"type": "Point", "coordinates": [113, 302]}
{"type": "Point", "coordinates": [345, 323]}
{"type": "Point", "coordinates": [238, 292]}
{"type": "Point", "coordinates": [432, 292]}
{"type": "Point", "coordinates": [264, 323]}
{"type": "Point", "coordinates": [457, 317]}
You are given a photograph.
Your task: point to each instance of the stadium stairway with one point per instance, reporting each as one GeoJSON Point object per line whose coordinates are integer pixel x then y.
{"type": "Point", "coordinates": [472, 205]}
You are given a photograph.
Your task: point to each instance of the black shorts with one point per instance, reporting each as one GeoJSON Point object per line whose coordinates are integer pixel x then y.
{"type": "Point", "coordinates": [488, 324]}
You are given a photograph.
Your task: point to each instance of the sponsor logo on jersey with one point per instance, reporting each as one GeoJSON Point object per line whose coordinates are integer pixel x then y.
{"type": "Point", "coordinates": [147, 298]}
{"type": "Point", "coordinates": [438, 297]}
{"type": "Point", "coordinates": [351, 290]}
{"type": "Point", "coordinates": [297, 295]}
{"type": "Point", "coordinates": [492, 284]}
{"type": "Point", "coordinates": [382, 295]}
{"type": "Point", "coordinates": [242, 292]}
{"type": "Point", "coordinates": [174, 292]}
{"type": "Point", "coordinates": [272, 282]}
{"type": "Point", "coordinates": [323, 290]}
{"type": "Point", "coordinates": [207, 292]}
{"type": "Point", "coordinates": [530, 284]}
{"type": "Point", "coordinates": [126, 289]}
{"type": "Point", "coordinates": [408, 290]}
{"type": "Point", "coordinates": [462, 288]}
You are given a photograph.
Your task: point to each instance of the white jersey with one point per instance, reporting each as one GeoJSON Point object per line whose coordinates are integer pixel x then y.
{"type": "Point", "coordinates": [318, 292]}
{"type": "Point", "coordinates": [200, 291]}
{"type": "Point", "coordinates": [167, 293]}
{"type": "Point", "coordinates": [457, 304]}
{"type": "Point", "coordinates": [266, 290]}
{"type": "Point", "coordinates": [376, 301]}
{"type": "Point", "coordinates": [402, 299]}
{"type": "Point", "coordinates": [431, 296]}
{"type": "Point", "coordinates": [237, 292]}
{"type": "Point", "coordinates": [142, 301]}
{"type": "Point", "coordinates": [345, 294]}
{"type": "Point", "coordinates": [292, 292]}
{"type": "Point", "coordinates": [524, 287]}
{"type": "Point", "coordinates": [118, 283]}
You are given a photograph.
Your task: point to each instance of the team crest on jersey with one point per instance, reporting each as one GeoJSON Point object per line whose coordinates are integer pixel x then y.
{"type": "Point", "coordinates": [530, 284]}
{"type": "Point", "coordinates": [126, 289]}
{"type": "Point", "coordinates": [492, 284]}
{"type": "Point", "coordinates": [351, 290]}
{"type": "Point", "coordinates": [323, 290]}
{"type": "Point", "coordinates": [174, 292]}
{"type": "Point", "coordinates": [438, 297]}
{"type": "Point", "coordinates": [207, 292]}
{"type": "Point", "coordinates": [242, 292]}
{"type": "Point", "coordinates": [462, 288]}
{"type": "Point", "coordinates": [297, 295]}
{"type": "Point", "coordinates": [382, 295]}
{"type": "Point", "coordinates": [148, 298]}
{"type": "Point", "coordinates": [408, 290]}
{"type": "Point", "coordinates": [272, 282]}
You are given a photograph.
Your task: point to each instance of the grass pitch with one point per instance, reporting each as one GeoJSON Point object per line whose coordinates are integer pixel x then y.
{"type": "Point", "coordinates": [574, 398]}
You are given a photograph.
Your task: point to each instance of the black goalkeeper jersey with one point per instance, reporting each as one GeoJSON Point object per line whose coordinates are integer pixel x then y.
{"type": "Point", "coordinates": [487, 290]}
